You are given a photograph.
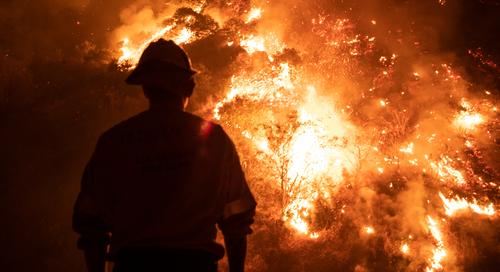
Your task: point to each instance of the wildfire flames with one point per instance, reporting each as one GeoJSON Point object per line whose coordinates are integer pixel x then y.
{"type": "Point", "coordinates": [322, 150]}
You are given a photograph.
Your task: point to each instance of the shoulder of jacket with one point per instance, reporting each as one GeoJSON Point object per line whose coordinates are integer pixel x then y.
{"type": "Point", "coordinates": [120, 127]}
{"type": "Point", "coordinates": [205, 124]}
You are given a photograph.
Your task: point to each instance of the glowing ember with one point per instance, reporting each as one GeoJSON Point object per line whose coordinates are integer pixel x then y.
{"type": "Point", "coordinates": [314, 235]}
{"type": "Point", "coordinates": [369, 230]}
{"type": "Point", "coordinates": [405, 248]}
{"type": "Point", "coordinates": [408, 149]}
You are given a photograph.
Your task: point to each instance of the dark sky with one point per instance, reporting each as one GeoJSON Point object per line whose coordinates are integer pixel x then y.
{"type": "Point", "coordinates": [58, 92]}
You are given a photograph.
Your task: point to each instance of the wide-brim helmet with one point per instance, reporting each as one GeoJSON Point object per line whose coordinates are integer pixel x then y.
{"type": "Point", "coordinates": [161, 62]}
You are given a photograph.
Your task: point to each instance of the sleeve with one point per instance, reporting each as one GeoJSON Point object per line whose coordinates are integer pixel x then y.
{"type": "Point", "coordinates": [239, 208]}
{"type": "Point", "coordinates": [88, 219]}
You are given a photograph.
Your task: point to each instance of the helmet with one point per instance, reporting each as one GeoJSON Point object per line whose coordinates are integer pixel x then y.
{"type": "Point", "coordinates": [161, 62]}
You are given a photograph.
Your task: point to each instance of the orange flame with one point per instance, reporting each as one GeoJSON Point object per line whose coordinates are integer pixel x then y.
{"type": "Point", "coordinates": [456, 204]}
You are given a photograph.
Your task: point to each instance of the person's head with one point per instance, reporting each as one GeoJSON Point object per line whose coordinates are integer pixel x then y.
{"type": "Point", "coordinates": [165, 73]}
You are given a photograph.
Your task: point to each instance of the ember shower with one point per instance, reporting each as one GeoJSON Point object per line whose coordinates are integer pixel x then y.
{"type": "Point", "coordinates": [365, 151]}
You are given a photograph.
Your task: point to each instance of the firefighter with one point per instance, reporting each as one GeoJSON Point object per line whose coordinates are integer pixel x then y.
{"type": "Point", "coordinates": [158, 184]}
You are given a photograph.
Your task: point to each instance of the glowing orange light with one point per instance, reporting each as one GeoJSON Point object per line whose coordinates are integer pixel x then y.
{"type": "Point", "coordinates": [454, 205]}
{"type": "Point", "coordinates": [253, 44]}
{"type": "Point", "coordinates": [468, 120]}
{"type": "Point", "coordinates": [405, 248]}
{"type": "Point", "coordinates": [408, 149]}
{"type": "Point", "coordinates": [369, 230]}
{"type": "Point", "coordinates": [438, 253]}
{"type": "Point", "coordinates": [254, 14]}
{"type": "Point", "coordinates": [323, 147]}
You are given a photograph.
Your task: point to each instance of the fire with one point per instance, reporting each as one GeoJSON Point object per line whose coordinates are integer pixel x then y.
{"type": "Point", "coordinates": [317, 146]}
{"type": "Point", "coordinates": [447, 172]}
{"type": "Point", "coordinates": [312, 160]}
{"type": "Point", "coordinates": [254, 14]}
{"type": "Point", "coordinates": [184, 36]}
{"type": "Point", "coordinates": [127, 53]}
{"type": "Point", "coordinates": [456, 204]}
{"type": "Point", "coordinates": [439, 253]}
{"type": "Point", "coordinates": [369, 230]}
{"type": "Point", "coordinates": [131, 55]}
{"type": "Point", "coordinates": [408, 149]}
{"type": "Point", "coordinates": [265, 43]}
{"type": "Point", "coordinates": [253, 44]}
{"type": "Point", "coordinates": [468, 121]}
{"type": "Point", "coordinates": [267, 85]}
{"type": "Point", "coordinates": [295, 214]}
{"type": "Point", "coordinates": [405, 249]}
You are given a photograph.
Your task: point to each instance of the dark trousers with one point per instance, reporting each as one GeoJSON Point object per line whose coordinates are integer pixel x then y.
{"type": "Point", "coordinates": [164, 260]}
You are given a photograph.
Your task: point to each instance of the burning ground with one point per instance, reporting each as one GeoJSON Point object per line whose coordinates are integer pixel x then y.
{"type": "Point", "coordinates": [368, 130]}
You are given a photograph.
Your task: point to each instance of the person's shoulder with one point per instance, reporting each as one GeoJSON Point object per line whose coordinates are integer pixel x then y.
{"type": "Point", "coordinates": [191, 117]}
{"type": "Point", "coordinates": [198, 120]}
{"type": "Point", "coordinates": [122, 127]}
{"type": "Point", "coordinates": [207, 127]}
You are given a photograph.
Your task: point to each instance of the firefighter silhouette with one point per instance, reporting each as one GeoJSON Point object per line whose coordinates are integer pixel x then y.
{"type": "Point", "coordinates": [159, 183]}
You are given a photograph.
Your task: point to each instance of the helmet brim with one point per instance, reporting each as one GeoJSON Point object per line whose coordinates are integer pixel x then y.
{"type": "Point", "coordinates": [157, 71]}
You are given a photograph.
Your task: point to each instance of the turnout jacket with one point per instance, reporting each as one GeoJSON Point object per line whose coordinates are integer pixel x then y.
{"type": "Point", "coordinates": [163, 178]}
